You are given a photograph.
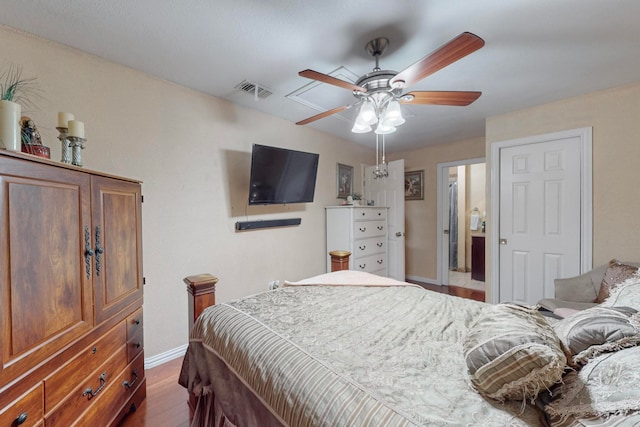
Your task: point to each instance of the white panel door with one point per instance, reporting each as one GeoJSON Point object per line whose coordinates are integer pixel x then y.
{"type": "Point", "coordinates": [389, 192]}
{"type": "Point", "coordinates": [540, 218]}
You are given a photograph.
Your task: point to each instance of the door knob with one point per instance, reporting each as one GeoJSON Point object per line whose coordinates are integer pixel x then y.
{"type": "Point", "coordinates": [503, 241]}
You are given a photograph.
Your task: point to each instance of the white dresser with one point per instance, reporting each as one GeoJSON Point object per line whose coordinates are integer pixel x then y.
{"type": "Point", "coordinates": [361, 230]}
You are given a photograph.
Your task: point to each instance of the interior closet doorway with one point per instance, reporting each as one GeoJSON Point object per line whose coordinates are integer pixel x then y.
{"type": "Point", "coordinates": [461, 223]}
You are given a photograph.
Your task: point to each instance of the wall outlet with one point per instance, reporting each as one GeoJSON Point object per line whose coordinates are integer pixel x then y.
{"type": "Point", "coordinates": [274, 284]}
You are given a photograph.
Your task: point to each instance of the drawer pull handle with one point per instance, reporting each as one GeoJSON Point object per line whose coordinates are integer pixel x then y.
{"type": "Point", "coordinates": [363, 247]}
{"type": "Point", "coordinates": [129, 384]}
{"type": "Point", "coordinates": [362, 266]}
{"type": "Point", "coordinates": [137, 321]}
{"type": "Point", "coordinates": [380, 261]}
{"type": "Point", "coordinates": [89, 393]}
{"type": "Point", "coordinates": [380, 227]}
{"type": "Point", "coordinates": [379, 244]}
{"type": "Point", "coordinates": [94, 350]}
{"type": "Point", "coordinates": [363, 229]}
{"type": "Point", "coordinates": [21, 418]}
{"type": "Point", "coordinates": [138, 344]}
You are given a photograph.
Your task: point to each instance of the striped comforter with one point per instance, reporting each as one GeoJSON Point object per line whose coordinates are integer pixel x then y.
{"type": "Point", "coordinates": [343, 355]}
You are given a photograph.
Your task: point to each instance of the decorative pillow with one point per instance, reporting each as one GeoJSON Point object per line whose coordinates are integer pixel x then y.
{"type": "Point", "coordinates": [608, 384]}
{"type": "Point", "coordinates": [616, 273]}
{"type": "Point", "coordinates": [512, 353]}
{"type": "Point", "coordinates": [626, 294]}
{"type": "Point", "coordinates": [596, 330]}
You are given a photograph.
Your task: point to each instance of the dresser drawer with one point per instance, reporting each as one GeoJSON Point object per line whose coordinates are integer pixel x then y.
{"type": "Point", "coordinates": [107, 406]}
{"type": "Point", "coordinates": [370, 246]}
{"type": "Point", "coordinates": [370, 263]}
{"type": "Point", "coordinates": [65, 379]}
{"type": "Point", "coordinates": [134, 346]}
{"type": "Point", "coordinates": [364, 229]}
{"type": "Point", "coordinates": [88, 392]}
{"type": "Point", "coordinates": [134, 323]}
{"type": "Point", "coordinates": [28, 407]}
{"type": "Point", "coordinates": [369, 213]}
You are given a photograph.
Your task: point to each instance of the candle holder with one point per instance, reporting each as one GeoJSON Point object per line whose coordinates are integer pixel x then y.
{"type": "Point", "coordinates": [66, 148]}
{"type": "Point", "coordinates": [77, 145]}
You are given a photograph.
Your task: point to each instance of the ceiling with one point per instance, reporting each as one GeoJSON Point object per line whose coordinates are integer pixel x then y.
{"type": "Point", "coordinates": [536, 51]}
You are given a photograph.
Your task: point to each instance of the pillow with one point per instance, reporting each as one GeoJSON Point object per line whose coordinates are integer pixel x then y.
{"type": "Point", "coordinates": [616, 273]}
{"type": "Point", "coordinates": [625, 294]}
{"type": "Point", "coordinates": [608, 384]}
{"type": "Point", "coordinates": [512, 353]}
{"type": "Point", "coordinates": [596, 330]}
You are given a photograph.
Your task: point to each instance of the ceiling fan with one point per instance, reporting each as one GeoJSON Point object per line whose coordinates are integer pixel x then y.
{"type": "Point", "coordinates": [379, 92]}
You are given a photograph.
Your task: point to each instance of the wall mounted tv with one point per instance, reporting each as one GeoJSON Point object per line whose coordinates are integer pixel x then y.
{"type": "Point", "coordinates": [281, 176]}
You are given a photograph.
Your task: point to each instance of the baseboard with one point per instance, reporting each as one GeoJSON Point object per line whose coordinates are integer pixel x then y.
{"type": "Point", "coordinates": [167, 356]}
{"type": "Point", "coordinates": [423, 280]}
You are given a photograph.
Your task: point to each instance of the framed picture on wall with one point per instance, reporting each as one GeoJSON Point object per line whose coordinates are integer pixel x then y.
{"type": "Point", "coordinates": [344, 180]}
{"type": "Point", "coordinates": [414, 185]}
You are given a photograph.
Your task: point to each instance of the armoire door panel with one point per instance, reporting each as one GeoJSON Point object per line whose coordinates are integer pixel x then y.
{"type": "Point", "coordinates": [45, 292]}
{"type": "Point", "coordinates": [116, 220]}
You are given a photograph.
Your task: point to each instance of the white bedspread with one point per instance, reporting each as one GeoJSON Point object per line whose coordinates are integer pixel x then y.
{"type": "Point", "coordinates": [352, 356]}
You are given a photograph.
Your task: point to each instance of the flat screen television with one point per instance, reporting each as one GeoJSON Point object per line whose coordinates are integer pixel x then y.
{"type": "Point", "coordinates": [281, 176]}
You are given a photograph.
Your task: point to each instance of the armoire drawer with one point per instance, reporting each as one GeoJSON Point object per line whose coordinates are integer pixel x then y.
{"type": "Point", "coordinates": [370, 246]}
{"type": "Point", "coordinates": [369, 213]}
{"type": "Point", "coordinates": [134, 323]}
{"type": "Point", "coordinates": [28, 409]}
{"type": "Point", "coordinates": [123, 386]}
{"type": "Point", "coordinates": [134, 346]}
{"type": "Point", "coordinates": [85, 395]}
{"type": "Point", "coordinates": [65, 379]}
{"type": "Point", "coordinates": [371, 263]}
{"type": "Point", "coordinates": [364, 229]}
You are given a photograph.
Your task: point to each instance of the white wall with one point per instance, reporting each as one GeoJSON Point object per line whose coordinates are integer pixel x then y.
{"type": "Point", "coordinates": [192, 151]}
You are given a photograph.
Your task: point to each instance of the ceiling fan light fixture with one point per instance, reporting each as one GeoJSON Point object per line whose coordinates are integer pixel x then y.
{"type": "Point", "coordinates": [381, 129]}
{"type": "Point", "coordinates": [392, 115]}
{"type": "Point", "coordinates": [367, 113]}
{"type": "Point", "coordinates": [360, 127]}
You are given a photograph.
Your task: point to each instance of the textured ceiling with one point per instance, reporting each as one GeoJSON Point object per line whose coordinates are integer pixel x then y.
{"type": "Point", "coordinates": [536, 51]}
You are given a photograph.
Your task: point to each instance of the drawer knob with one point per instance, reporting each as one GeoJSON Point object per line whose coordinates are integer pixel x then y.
{"type": "Point", "coordinates": [363, 247]}
{"type": "Point", "coordinates": [362, 266]}
{"type": "Point", "coordinates": [380, 261]}
{"type": "Point", "coordinates": [21, 418]}
{"type": "Point", "coordinates": [89, 393]}
{"type": "Point", "coordinates": [379, 244]}
{"type": "Point", "coordinates": [137, 321]}
{"type": "Point", "coordinates": [363, 229]}
{"type": "Point", "coordinates": [134, 378]}
{"type": "Point", "coordinates": [380, 227]}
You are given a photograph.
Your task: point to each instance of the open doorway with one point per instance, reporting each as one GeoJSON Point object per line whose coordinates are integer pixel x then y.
{"type": "Point", "coordinates": [462, 224]}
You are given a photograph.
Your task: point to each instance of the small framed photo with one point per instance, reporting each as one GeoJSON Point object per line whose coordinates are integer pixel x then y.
{"type": "Point", "coordinates": [344, 181]}
{"type": "Point", "coordinates": [414, 185]}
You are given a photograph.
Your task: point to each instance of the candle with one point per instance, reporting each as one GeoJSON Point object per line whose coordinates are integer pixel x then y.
{"type": "Point", "coordinates": [76, 128]}
{"type": "Point", "coordinates": [63, 118]}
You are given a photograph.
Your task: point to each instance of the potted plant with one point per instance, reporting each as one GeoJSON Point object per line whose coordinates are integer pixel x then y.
{"type": "Point", "coordinates": [14, 92]}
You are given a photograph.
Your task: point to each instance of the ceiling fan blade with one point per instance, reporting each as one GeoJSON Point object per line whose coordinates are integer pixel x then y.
{"type": "Point", "coordinates": [457, 98]}
{"type": "Point", "coordinates": [325, 78]}
{"type": "Point", "coordinates": [454, 50]}
{"type": "Point", "coordinates": [323, 115]}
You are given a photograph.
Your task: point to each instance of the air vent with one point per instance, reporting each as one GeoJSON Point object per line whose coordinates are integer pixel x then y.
{"type": "Point", "coordinates": [254, 89]}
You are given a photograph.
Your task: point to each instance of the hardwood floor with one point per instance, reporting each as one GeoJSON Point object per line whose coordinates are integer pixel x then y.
{"type": "Point", "coordinates": [166, 402]}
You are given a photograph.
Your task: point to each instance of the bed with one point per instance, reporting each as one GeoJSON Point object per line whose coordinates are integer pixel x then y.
{"type": "Point", "coordinates": [353, 349]}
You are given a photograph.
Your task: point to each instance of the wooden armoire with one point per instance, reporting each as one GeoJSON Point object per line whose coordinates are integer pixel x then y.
{"type": "Point", "coordinates": [71, 286]}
